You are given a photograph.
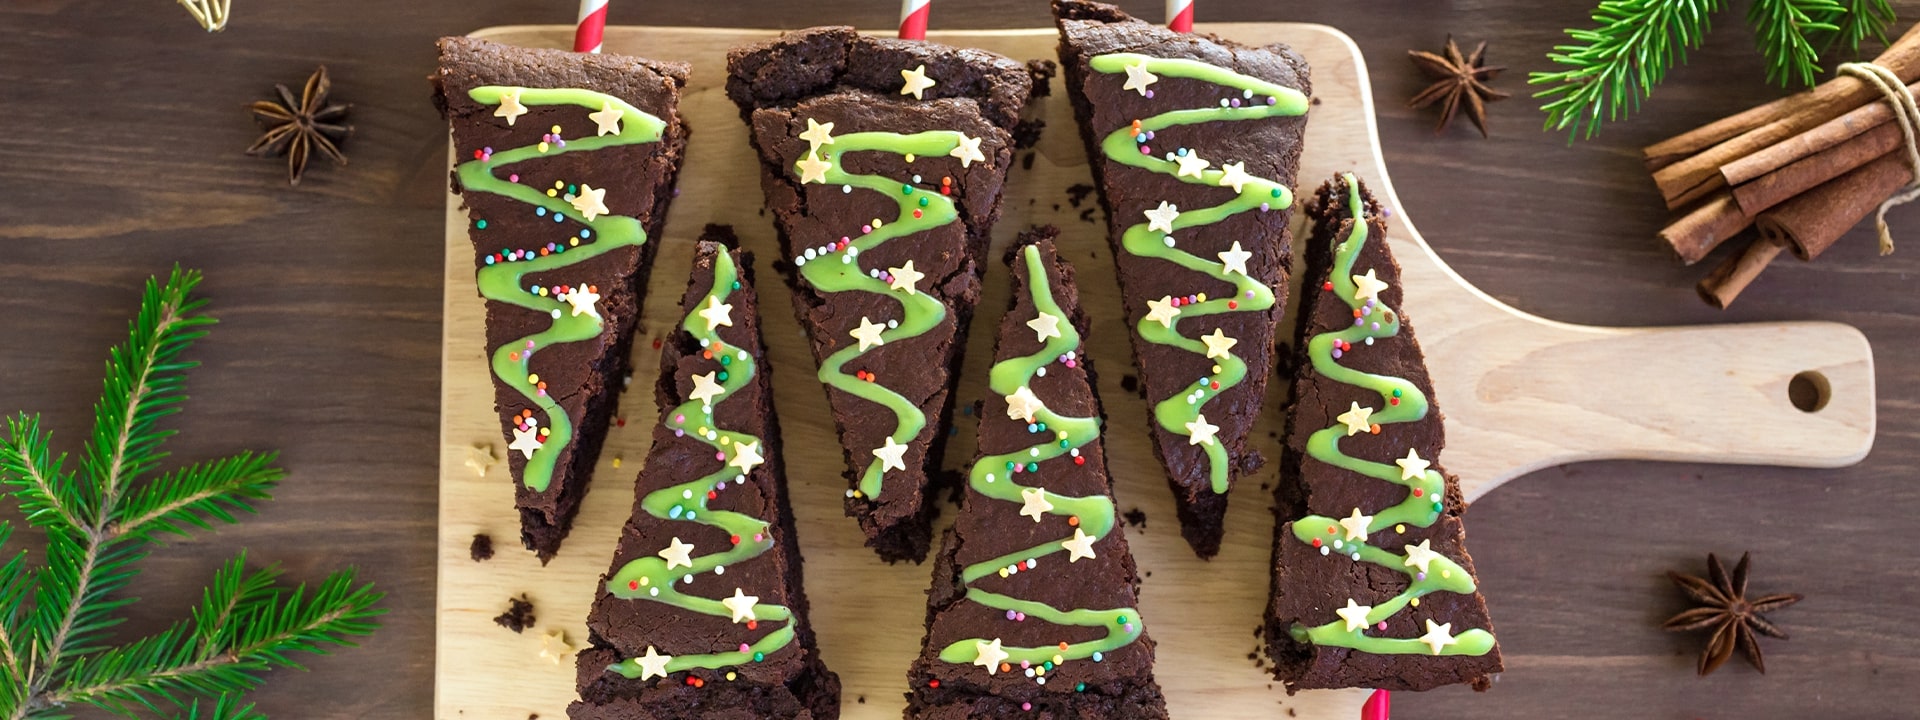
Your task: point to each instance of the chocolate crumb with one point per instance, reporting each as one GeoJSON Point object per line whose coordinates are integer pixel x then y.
{"type": "Point", "coordinates": [1136, 518]}
{"type": "Point", "coordinates": [1130, 383]}
{"type": "Point", "coordinates": [1026, 134]}
{"type": "Point", "coordinates": [1026, 160]}
{"type": "Point", "coordinates": [1056, 207]}
{"type": "Point", "coordinates": [1086, 216]}
{"type": "Point", "coordinates": [519, 614]}
{"type": "Point", "coordinates": [862, 699]}
{"type": "Point", "coordinates": [1078, 193]}
{"type": "Point", "coordinates": [1042, 72]}
{"type": "Point", "coordinates": [482, 548]}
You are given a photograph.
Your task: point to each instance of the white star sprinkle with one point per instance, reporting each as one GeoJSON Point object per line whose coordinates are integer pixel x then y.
{"type": "Point", "coordinates": [653, 663]}
{"type": "Point", "coordinates": [1367, 287]}
{"type": "Point", "coordinates": [1190, 164]}
{"type": "Point", "coordinates": [676, 554]}
{"type": "Point", "coordinates": [904, 278]}
{"type": "Point", "coordinates": [1218, 344]}
{"type": "Point", "coordinates": [607, 120]}
{"type": "Point", "coordinates": [1357, 419]}
{"type": "Point", "coordinates": [1355, 614]}
{"type": "Point", "coordinates": [510, 107]}
{"type": "Point", "coordinates": [1163, 311]}
{"type": "Point", "coordinates": [1081, 546]}
{"type": "Point", "coordinates": [1356, 525]}
{"type": "Point", "coordinates": [741, 605]}
{"type": "Point", "coordinates": [1023, 404]}
{"type": "Point", "coordinates": [1138, 78]}
{"type": "Point", "coordinates": [1421, 555]}
{"type": "Point", "coordinates": [1161, 218]}
{"type": "Point", "coordinates": [554, 646]}
{"type": "Point", "coordinates": [868, 333]}
{"type": "Point", "coordinates": [1437, 636]}
{"type": "Point", "coordinates": [1046, 325]}
{"type": "Point", "coordinates": [813, 169]}
{"type": "Point", "coordinates": [817, 134]}
{"type": "Point", "coordinates": [988, 655]}
{"type": "Point", "coordinates": [717, 313]}
{"type": "Point", "coordinates": [916, 82]}
{"type": "Point", "coordinates": [746, 456]}
{"type": "Point", "coordinates": [1412, 466]}
{"type": "Point", "coordinates": [1234, 260]}
{"type": "Point", "coordinates": [892, 455]}
{"type": "Point", "coordinates": [1034, 503]}
{"type": "Point", "coordinates": [968, 151]}
{"type": "Point", "coordinates": [705, 388]}
{"type": "Point", "coordinates": [526, 441]}
{"type": "Point", "coordinates": [590, 202]}
{"type": "Point", "coordinates": [1234, 175]}
{"type": "Point", "coordinates": [582, 300]}
{"type": "Point", "coordinates": [1200, 431]}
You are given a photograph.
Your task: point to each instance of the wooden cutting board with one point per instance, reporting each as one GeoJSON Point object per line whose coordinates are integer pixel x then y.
{"type": "Point", "coordinates": [1520, 393]}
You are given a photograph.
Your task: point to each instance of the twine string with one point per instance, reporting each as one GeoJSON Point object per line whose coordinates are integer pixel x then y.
{"type": "Point", "coordinates": [1907, 114]}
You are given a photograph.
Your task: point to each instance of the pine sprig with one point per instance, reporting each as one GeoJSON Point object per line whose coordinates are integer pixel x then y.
{"type": "Point", "coordinates": [1783, 32]}
{"type": "Point", "coordinates": [1606, 71]}
{"type": "Point", "coordinates": [55, 620]}
{"type": "Point", "coordinates": [1854, 23]}
{"type": "Point", "coordinates": [1610, 68]}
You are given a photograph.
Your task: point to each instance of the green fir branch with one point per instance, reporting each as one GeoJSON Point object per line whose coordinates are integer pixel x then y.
{"type": "Point", "coordinates": [55, 619]}
{"type": "Point", "coordinates": [1609, 69]}
{"type": "Point", "coordinates": [1854, 22]}
{"type": "Point", "coordinates": [1782, 32]}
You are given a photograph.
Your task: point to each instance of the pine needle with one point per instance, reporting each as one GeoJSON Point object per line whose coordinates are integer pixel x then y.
{"type": "Point", "coordinates": [1611, 68]}
{"type": "Point", "coordinates": [1782, 30]}
{"type": "Point", "coordinates": [100, 521]}
{"type": "Point", "coordinates": [211, 14]}
{"type": "Point", "coordinates": [1854, 23]}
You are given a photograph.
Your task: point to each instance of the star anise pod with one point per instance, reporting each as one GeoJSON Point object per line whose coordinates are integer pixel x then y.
{"type": "Point", "coordinates": [1725, 608]}
{"type": "Point", "coordinates": [299, 128]}
{"type": "Point", "coordinates": [1459, 80]}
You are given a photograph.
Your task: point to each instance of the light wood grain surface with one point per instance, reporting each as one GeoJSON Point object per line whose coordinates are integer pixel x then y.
{"type": "Point", "coordinates": [1520, 393]}
{"type": "Point", "coordinates": [120, 155]}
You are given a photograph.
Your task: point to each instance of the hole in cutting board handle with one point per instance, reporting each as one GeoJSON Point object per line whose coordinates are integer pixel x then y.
{"type": "Point", "coordinates": [1809, 391]}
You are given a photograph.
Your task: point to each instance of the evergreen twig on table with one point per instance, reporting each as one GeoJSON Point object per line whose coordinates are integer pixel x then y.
{"type": "Point", "coordinates": [1605, 71]}
{"type": "Point", "coordinates": [99, 520]}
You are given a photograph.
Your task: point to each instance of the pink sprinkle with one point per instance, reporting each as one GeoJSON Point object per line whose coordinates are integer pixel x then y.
{"type": "Point", "coordinates": [744, 647]}
{"type": "Point", "coordinates": [1022, 617]}
{"type": "Point", "coordinates": [1028, 705]}
{"type": "Point", "coordinates": [866, 228]}
{"type": "Point", "coordinates": [1383, 624]}
{"type": "Point", "coordinates": [514, 177]}
{"type": "Point", "coordinates": [680, 418]}
{"type": "Point", "coordinates": [1024, 664]}
{"type": "Point", "coordinates": [1145, 150]}
{"type": "Point", "coordinates": [757, 537]}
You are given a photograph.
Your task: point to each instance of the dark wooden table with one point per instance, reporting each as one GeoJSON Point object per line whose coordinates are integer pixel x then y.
{"type": "Point", "coordinates": [121, 126]}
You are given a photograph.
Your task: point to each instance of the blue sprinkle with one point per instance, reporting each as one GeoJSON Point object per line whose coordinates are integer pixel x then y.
{"type": "Point", "coordinates": [584, 234]}
{"type": "Point", "coordinates": [557, 217]}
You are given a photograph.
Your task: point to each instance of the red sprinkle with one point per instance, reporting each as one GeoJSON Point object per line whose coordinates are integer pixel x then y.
{"type": "Point", "coordinates": [916, 214]}
{"type": "Point", "coordinates": [1417, 492]}
{"type": "Point", "coordinates": [1328, 285]}
{"type": "Point", "coordinates": [1316, 542]}
{"type": "Point", "coordinates": [933, 683]}
{"type": "Point", "coordinates": [1080, 461]}
{"type": "Point", "coordinates": [633, 584]}
{"type": "Point", "coordinates": [711, 494]}
{"type": "Point", "coordinates": [736, 539]}
{"type": "Point", "coordinates": [1233, 305]}
{"type": "Point", "coordinates": [753, 624]}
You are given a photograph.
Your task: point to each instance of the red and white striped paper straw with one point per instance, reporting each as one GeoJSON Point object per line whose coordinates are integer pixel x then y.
{"type": "Point", "coordinates": [1378, 706]}
{"type": "Point", "coordinates": [593, 26]}
{"type": "Point", "coordinates": [1180, 15]}
{"type": "Point", "coordinates": [913, 18]}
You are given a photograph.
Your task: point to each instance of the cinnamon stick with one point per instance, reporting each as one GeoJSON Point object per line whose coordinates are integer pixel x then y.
{"type": "Point", "coordinates": [1694, 177]}
{"type": "Point", "coordinates": [1702, 229]}
{"type": "Point", "coordinates": [1811, 222]}
{"type": "Point", "coordinates": [1855, 123]}
{"type": "Point", "coordinates": [1725, 283]}
{"type": "Point", "coordinates": [1807, 173]}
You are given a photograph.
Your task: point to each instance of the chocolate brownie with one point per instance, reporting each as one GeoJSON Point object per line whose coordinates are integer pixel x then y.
{"type": "Point", "coordinates": [883, 162]}
{"type": "Point", "coordinates": [566, 166]}
{"type": "Point", "coordinates": [703, 614]}
{"type": "Point", "coordinates": [1194, 141]}
{"type": "Point", "coordinates": [1034, 607]}
{"type": "Point", "coordinates": [1372, 585]}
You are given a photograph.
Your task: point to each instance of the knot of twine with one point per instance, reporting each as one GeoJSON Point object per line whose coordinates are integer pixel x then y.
{"type": "Point", "coordinates": [1907, 114]}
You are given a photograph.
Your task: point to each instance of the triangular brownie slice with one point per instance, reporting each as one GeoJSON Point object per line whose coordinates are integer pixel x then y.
{"type": "Point", "coordinates": [883, 162]}
{"type": "Point", "coordinates": [1372, 585]}
{"type": "Point", "coordinates": [566, 164]}
{"type": "Point", "coordinates": [1194, 141]}
{"type": "Point", "coordinates": [1034, 607]}
{"type": "Point", "coordinates": [702, 613]}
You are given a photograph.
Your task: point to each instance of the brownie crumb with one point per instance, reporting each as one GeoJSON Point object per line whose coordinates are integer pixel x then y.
{"type": "Point", "coordinates": [1130, 383]}
{"type": "Point", "coordinates": [861, 699]}
{"type": "Point", "coordinates": [1026, 160]}
{"type": "Point", "coordinates": [482, 548]}
{"type": "Point", "coordinates": [1086, 216]}
{"type": "Point", "coordinates": [1042, 72]}
{"type": "Point", "coordinates": [1315, 100]}
{"type": "Point", "coordinates": [1027, 133]}
{"type": "Point", "coordinates": [1078, 193]}
{"type": "Point", "coordinates": [720, 233]}
{"type": "Point", "coordinates": [1136, 518]}
{"type": "Point", "coordinates": [519, 614]}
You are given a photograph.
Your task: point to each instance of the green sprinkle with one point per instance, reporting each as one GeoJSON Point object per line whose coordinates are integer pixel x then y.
{"type": "Point", "coordinates": [726, 359]}
{"type": "Point", "coordinates": [1079, 687]}
{"type": "Point", "coordinates": [759, 656]}
{"type": "Point", "coordinates": [736, 284]}
{"type": "Point", "coordinates": [722, 377]}
{"type": "Point", "coordinates": [923, 202]}
{"type": "Point", "coordinates": [1275, 192]}
{"type": "Point", "coordinates": [906, 189]}
{"type": "Point", "coordinates": [1033, 467]}
{"type": "Point", "coordinates": [1122, 620]}
{"type": "Point", "coordinates": [482, 224]}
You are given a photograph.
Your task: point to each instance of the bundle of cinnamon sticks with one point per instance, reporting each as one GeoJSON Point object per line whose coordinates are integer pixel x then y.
{"type": "Point", "coordinates": [1802, 170]}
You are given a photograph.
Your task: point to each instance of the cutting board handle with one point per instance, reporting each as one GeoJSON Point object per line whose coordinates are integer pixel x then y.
{"type": "Point", "coordinates": [1552, 393]}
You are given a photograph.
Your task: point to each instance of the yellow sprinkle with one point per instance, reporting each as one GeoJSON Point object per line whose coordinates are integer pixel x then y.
{"type": "Point", "coordinates": [558, 184]}
{"type": "Point", "coordinates": [551, 193]}
{"type": "Point", "coordinates": [1216, 369]}
{"type": "Point", "coordinates": [731, 676]}
{"type": "Point", "coordinates": [556, 129]}
{"type": "Point", "coordinates": [533, 378]}
{"type": "Point", "coordinates": [543, 146]}
{"type": "Point", "coordinates": [645, 581]}
{"type": "Point", "coordinates": [545, 432]}
{"type": "Point", "coordinates": [876, 223]}
{"type": "Point", "coordinates": [616, 463]}
{"type": "Point", "coordinates": [574, 242]}
{"type": "Point", "coordinates": [703, 429]}
{"type": "Point", "coordinates": [857, 494]}
{"type": "Point", "coordinates": [1415, 602]}
{"type": "Point", "coordinates": [909, 157]}
{"type": "Point", "coordinates": [1061, 435]}
{"type": "Point", "coordinates": [1003, 572]}
{"type": "Point", "coordinates": [1040, 671]}
{"type": "Point", "coordinates": [1203, 297]}
{"type": "Point", "coordinates": [1400, 528]}
{"type": "Point", "coordinates": [724, 440]}
{"type": "Point", "coordinates": [1446, 573]}
{"type": "Point", "coordinates": [1057, 660]}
